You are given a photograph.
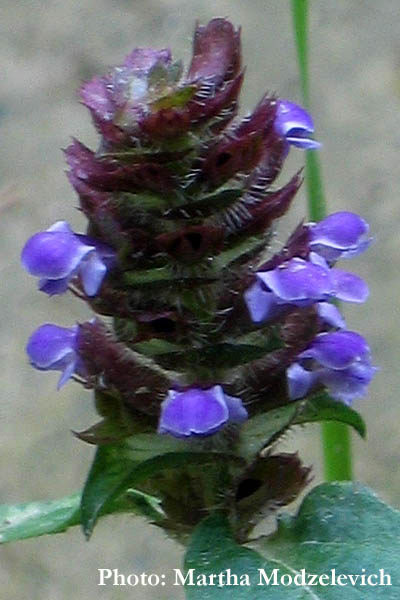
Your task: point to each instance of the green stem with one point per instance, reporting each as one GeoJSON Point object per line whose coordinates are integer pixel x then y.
{"type": "Point", "coordinates": [336, 439]}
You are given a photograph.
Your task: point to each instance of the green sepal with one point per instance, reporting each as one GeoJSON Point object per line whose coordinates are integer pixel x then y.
{"type": "Point", "coordinates": [106, 431]}
{"type": "Point", "coordinates": [219, 356]}
{"type": "Point", "coordinates": [176, 99]}
{"type": "Point", "coordinates": [240, 251]}
{"type": "Point", "coordinates": [165, 274]}
{"type": "Point", "coordinates": [206, 205]}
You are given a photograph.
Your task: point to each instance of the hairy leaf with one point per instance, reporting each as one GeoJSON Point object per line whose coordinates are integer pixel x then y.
{"type": "Point", "coordinates": [340, 529]}
{"type": "Point", "coordinates": [33, 519]}
{"type": "Point", "coordinates": [117, 468]}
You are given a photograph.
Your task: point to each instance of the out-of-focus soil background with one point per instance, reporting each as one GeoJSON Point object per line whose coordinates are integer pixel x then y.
{"type": "Point", "coordinates": [47, 48]}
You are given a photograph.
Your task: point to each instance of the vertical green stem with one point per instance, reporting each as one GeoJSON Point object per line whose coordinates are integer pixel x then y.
{"type": "Point", "coordinates": [336, 438]}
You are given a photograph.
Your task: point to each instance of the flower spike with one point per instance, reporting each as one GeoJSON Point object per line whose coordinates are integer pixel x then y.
{"type": "Point", "coordinates": [207, 330]}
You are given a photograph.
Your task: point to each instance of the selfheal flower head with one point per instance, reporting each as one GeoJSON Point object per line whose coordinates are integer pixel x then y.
{"type": "Point", "coordinates": [58, 254]}
{"type": "Point", "coordinates": [339, 360]}
{"type": "Point", "coordinates": [295, 124]}
{"type": "Point", "coordinates": [182, 189]}
{"type": "Point", "coordinates": [54, 348]}
{"type": "Point", "coordinates": [199, 412]}
{"type": "Point", "coordinates": [340, 235]}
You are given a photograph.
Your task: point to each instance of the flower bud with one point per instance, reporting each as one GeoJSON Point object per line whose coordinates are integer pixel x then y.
{"type": "Point", "coordinates": [295, 124]}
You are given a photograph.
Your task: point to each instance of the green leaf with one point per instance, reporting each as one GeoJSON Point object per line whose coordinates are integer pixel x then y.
{"type": "Point", "coordinates": [109, 467]}
{"type": "Point", "coordinates": [119, 467]}
{"type": "Point", "coordinates": [321, 407]}
{"type": "Point", "coordinates": [341, 526]}
{"type": "Point", "coordinates": [33, 519]}
{"type": "Point", "coordinates": [144, 446]}
{"type": "Point", "coordinates": [213, 549]}
{"type": "Point", "coordinates": [260, 431]}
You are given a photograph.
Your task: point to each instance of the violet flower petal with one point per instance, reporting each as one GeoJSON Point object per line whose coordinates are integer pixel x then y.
{"type": "Point", "coordinates": [261, 304]}
{"type": "Point", "coordinates": [70, 366]}
{"type": "Point", "coordinates": [331, 315]}
{"type": "Point", "coordinates": [193, 412]}
{"type": "Point", "coordinates": [299, 139]}
{"type": "Point", "coordinates": [337, 350]}
{"type": "Point", "coordinates": [53, 254]}
{"type": "Point", "coordinates": [61, 227]}
{"type": "Point", "coordinates": [92, 272]}
{"type": "Point", "coordinates": [53, 348]}
{"type": "Point", "coordinates": [340, 235]}
{"type": "Point", "coordinates": [294, 123]}
{"type": "Point", "coordinates": [58, 254]}
{"type": "Point", "coordinates": [95, 96]}
{"type": "Point", "coordinates": [298, 282]}
{"type": "Point", "coordinates": [299, 381]}
{"type": "Point", "coordinates": [53, 287]}
{"type": "Point", "coordinates": [198, 412]}
{"type": "Point", "coordinates": [347, 384]}
{"type": "Point", "coordinates": [141, 60]}
{"type": "Point", "coordinates": [237, 412]}
{"type": "Point", "coordinates": [349, 287]}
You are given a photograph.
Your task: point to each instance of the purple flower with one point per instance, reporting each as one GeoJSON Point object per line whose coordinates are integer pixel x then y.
{"type": "Point", "coordinates": [58, 254]}
{"type": "Point", "coordinates": [340, 235]}
{"type": "Point", "coordinates": [331, 315]}
{"type": "Point", "coordinates": [198, 412]}
{"type": "Point", "coordinates": [295, 124]}
{"type": "Point", "coordinates": [54, 348]}
{"type": "Point", "coordinates": [300, 282]}
{"type": "Point", "coordinates": [339, 360]}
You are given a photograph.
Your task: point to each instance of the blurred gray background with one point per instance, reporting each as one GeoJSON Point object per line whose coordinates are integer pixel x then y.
{"type": "Point", "coordinates": [47, 48]}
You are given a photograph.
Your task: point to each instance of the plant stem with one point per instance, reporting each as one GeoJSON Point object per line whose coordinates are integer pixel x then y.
{"type": "Point", "coordinates": [336, 440]}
